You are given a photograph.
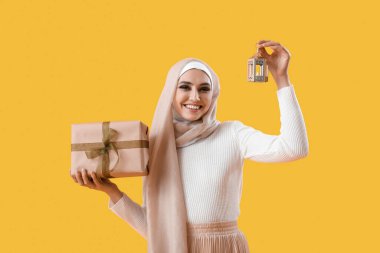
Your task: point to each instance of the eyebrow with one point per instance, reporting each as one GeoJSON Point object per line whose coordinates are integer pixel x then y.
{"type": "Point", "coordinates": [186, 82]}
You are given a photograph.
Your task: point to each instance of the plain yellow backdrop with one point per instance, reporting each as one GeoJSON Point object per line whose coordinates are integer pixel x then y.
{"type": "Point", "coordinates": [64, 62]}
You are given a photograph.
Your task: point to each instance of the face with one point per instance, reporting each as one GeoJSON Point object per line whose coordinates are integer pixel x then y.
{"type": "Point", "coordinates": [193, 94]}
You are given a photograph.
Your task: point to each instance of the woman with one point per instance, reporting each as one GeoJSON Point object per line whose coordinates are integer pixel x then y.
{"type": "Point", "coordinates": [192, 193]}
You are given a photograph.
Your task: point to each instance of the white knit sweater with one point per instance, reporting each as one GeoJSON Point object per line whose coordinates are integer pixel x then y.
{"type": "Point", "coordinates": [211, 168]}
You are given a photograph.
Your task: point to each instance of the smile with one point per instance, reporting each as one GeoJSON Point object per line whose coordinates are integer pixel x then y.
{"type": "Point", "coordinates": [193, 107]}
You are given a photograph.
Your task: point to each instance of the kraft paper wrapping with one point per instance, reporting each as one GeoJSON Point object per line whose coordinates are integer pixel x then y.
{"type": "Point", "coordinates": [111, 149]}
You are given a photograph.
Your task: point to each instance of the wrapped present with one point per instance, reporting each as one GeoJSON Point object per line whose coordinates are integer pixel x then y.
{"type": "Point", "coordinates": [111, 149]}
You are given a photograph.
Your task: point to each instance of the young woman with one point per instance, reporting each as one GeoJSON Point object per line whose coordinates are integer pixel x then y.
{"type": "Point", "coordinates": [191, 196]}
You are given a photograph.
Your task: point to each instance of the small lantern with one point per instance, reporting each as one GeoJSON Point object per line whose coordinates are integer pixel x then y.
{"type": "Point", "coordinates": [257, 70]}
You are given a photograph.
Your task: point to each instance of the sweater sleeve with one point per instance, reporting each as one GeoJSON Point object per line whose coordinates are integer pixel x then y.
{"type": "Point", "coordinates": [291, 144]}
{"type": "Point", "coordinates": [131, 212]}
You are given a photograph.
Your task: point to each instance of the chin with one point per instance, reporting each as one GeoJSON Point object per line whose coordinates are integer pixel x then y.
{"type": "Point", "coordinates": [192, 118]}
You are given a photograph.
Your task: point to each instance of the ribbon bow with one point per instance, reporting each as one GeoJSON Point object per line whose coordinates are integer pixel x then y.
{"type": "Point", "coordinates": [109, 134]}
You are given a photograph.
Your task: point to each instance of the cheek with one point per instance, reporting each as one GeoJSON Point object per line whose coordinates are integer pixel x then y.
{"type": "Point", "coordinates": [177, 100]}
{"type": "Point", "coordinates": [207, 101]}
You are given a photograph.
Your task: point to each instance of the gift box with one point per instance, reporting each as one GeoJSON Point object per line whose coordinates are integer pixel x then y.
{"type": "Point", "coordinates": [111, 149]}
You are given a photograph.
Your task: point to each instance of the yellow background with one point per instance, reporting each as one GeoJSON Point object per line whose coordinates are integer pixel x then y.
{"type": "Point", "coordinates": [64, 62]}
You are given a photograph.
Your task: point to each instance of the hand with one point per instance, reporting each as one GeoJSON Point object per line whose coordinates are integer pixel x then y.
{"type": "Point", "coordinates": [91, 181]}
{"type": "Point", "coordinates": [278, 61]}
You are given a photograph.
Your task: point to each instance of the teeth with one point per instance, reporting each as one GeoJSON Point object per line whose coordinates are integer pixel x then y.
{"type": "Point", "coordinates": [193, 107]}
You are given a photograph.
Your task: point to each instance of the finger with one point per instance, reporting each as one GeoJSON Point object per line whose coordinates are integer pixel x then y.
{"type": "Point", "coordinates": [286, 50]}
{"type": "Point", "coordinates": [270, 44]}
{"type": "Point", "coordinates": [74, 178]}
{"type": "Point", "coordinates": [95, 178]}
{"type": "Point", "coordinates": [267, 42]}
{"type": "Point", "coordinates": [72, 175]}
{"type": "Point", "coordinates": [85, 178]}
{"type": "Point", "coordinates": [262, 41]}
{"type": "Point", "coordinates": [91, 181]}
{"type": "Point", "coordinates": [262, 52]}
{"type": "Point", "coordinates": [79, 178]}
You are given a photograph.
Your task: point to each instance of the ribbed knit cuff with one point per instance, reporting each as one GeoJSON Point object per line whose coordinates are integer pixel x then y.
{"type": "Point", "coordinates": [287, 100]}
{"type": "Point", "coordinates": [286, 89]}
{"type": "Point", "coordinates": [112, 205]}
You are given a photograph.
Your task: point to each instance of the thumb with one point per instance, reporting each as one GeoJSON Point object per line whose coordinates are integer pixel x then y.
{"type": "Point", "coordinates": [262, 52]}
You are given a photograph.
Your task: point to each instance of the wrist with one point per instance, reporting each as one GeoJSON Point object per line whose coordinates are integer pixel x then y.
{"type": "Point", "coordinates": [115, 195]}
{"type": "Point", "coordinates": [112, 191]}
{"type": "Point", "coordinates": [282, 81]}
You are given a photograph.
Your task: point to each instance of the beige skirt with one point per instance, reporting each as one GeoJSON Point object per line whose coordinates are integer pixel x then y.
{"type": "Point", "coordinates": [218, 237]}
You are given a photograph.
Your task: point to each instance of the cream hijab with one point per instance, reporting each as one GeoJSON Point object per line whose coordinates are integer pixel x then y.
{"type": "Point", "coordinates": [163, 195]}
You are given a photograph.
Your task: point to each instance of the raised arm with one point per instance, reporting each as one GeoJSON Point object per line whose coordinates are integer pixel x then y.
{"type": "Point", "coordinates": [291, 144]}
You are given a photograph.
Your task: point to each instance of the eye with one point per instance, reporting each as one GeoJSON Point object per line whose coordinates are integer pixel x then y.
{"type": "Point", "coordinates": [205, 89]}
{"type": "Point", "coordinates": [184, 87]}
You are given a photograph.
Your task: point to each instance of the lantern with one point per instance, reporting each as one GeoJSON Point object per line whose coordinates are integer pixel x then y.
{"type": "Point", "coordinates": [257, 70]}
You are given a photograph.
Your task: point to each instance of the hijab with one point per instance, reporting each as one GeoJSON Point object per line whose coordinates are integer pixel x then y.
{"type": "Point", "coordinates": [163, 195]}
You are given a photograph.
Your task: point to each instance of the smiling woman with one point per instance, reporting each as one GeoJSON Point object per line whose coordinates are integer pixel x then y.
{"type": "Point", "coordinates": [193, 95]}
{"type": "Point", "coordinates": [191, 196]}
{"type": "Point", "coordinates": [194, 187]}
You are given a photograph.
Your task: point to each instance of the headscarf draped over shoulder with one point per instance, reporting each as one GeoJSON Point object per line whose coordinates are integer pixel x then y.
{"type": "Point", "coordinates": [163, 195]}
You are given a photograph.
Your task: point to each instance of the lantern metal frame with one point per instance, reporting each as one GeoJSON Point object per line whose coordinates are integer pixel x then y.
{"type": "Point", "coordinates": [257, 76]}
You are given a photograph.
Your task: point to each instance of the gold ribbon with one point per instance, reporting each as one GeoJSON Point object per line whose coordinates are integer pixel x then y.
{"type": "Point", "coordinates": [103, 148]}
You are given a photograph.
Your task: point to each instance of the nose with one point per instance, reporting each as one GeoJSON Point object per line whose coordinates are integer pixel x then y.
{"type": "Point", "coordinates": [194, 95]}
